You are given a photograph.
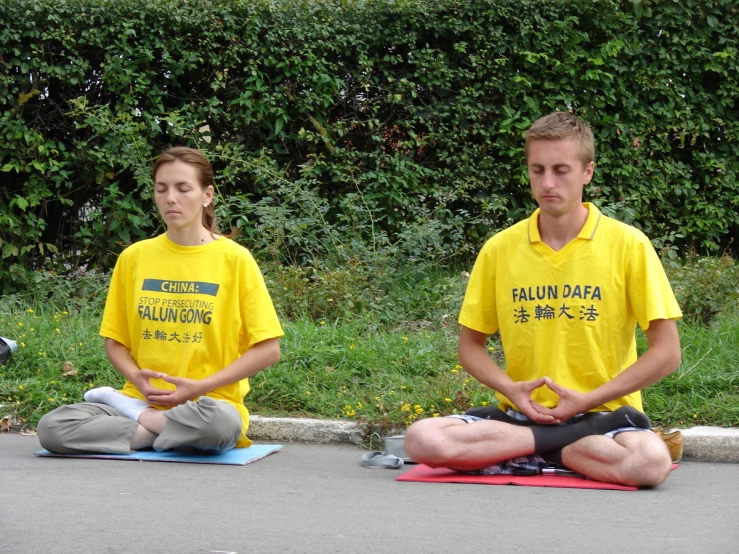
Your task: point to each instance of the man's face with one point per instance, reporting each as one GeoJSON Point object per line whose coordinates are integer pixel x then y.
{"type": "Point", "coordinates": [557, 175]}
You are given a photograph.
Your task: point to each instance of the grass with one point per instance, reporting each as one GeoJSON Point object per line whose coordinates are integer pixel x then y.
{"type": "Point", "coordinates": [704, 390]}
{"type": "Point", "coordinates": [382, 371]}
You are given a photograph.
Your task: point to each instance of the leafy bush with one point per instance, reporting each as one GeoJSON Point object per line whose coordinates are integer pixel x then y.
{"type": "Point", "coordinates": [415, 109]}
{"type": "Point", "coordinates": [706, 287]}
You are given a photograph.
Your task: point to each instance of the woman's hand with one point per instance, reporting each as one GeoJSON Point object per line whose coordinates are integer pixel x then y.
{"type": "Point", "coordinates": [141, 380]}
{"type": "Point", "coordinates": [187, 389]}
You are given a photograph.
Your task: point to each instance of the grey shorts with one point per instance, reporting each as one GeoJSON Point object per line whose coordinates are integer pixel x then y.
{"type": "Point", "coordinates": [532, 462]}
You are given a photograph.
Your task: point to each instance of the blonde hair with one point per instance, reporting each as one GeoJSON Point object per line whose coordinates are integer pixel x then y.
{"type": "Point", "coordinates": [559, 125]}
{"type": "Point", "coordinates": [202, 166]}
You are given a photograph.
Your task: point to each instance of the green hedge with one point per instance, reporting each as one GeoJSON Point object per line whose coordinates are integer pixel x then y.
{"type": "Point", "coordinates": [412, 110]}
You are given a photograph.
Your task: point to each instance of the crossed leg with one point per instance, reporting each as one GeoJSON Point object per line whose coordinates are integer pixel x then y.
{"type": "Point", "coordinates": [631, 458]}
{"type": "Point", "coordinates": [639, 459]}
{"type": "Point", "coordinates": [207, 425]}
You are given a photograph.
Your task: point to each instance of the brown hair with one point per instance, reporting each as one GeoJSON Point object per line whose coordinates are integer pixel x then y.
{"type": "Point", "coordinates": [559, 125]}
{"type": "Point", "coordinates": [197, 160]}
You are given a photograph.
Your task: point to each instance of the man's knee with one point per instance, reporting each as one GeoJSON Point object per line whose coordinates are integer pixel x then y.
{"type": "Point", "coordinates": [648, 463]}
{"type": "Point", "coordinates": [652, 466]}
{"type": "Point", "coordinates": [424, 442]}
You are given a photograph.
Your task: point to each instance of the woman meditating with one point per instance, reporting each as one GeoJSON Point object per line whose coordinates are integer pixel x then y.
{"type": "Point", "coordinates": [188, 319]}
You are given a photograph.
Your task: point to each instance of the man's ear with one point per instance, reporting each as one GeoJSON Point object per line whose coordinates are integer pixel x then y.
{"type": "Point", "coordinates": [589, 168]}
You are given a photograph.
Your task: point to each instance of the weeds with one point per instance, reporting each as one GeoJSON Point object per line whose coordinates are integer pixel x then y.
{"type": "Point", "coordinates": [386, 365]}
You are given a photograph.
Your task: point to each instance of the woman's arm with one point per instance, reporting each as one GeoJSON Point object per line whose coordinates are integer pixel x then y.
{"type": "Point", "coordinates": [121, 359]}
{"type": "Point", "coordinates": [258, 357]}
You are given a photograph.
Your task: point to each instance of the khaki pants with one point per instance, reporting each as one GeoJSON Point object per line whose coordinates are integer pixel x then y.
{"type": "Point", "coordinates": [87, 427]}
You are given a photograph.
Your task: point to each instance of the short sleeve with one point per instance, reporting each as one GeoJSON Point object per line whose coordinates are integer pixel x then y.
{"type": "Point", "coordinates": [115, 320]}
{"type": "Point", "coordinates": [650, 295]}
{"type": "Point", "coordinates": [479, 310]}
{"type": "Point", "coordinates": [257, 310]}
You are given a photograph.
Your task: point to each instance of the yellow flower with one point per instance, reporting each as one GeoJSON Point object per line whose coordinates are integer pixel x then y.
{"type": "Point", "coordinates": [457, 366]}
{"type": "Point", "coordinates": [695, 416]}
{"type": "Point", "coordinates": [435, 414]}
{"type": "Point", "coordinates": [52, 382]}
{"type": "Point", "coordinates": [419, 411]}
{"type": "Point", "coordinates": [307, 392]}
{"type": "Point", "coordinates": [405, 339]}
{"type": "Point", "coordinates": [20, 324]}
{"type": "Point", "coordinates": [405, 408]}
{"type": "Point", "coordinates": [349, 411]}
{"type": "Point", "coordinates": [416, 406]}
{"type": "Point", "coordinates": [377, 398]}
{"type": "Point", "coordinates": [448, 400]}
{"type": "Point", "coordinates": [20, 387]}
{"type": "Point", "coordinates": [29, 310]}
{"type": "Point", "coordinates": [352, 347]}
{"type": "Point", "coordinates": [57, 330]}
{"type": "Point", "coordinates": [455, 371]}
{"type": "Point", "coordinates": [32, 329]}
{"type": "Point", "coordinates": [23, 344]}
{"type": "Point", "coordinates": [402, 386]}
{"type": "Point", "coordinates": [50, 399]}
{"type": "Point", "coordinates": [321, 323]}
{"type": "Point", "coordinates": [484, 403]}
{"type": "Point", "coordinates": [491, 348]}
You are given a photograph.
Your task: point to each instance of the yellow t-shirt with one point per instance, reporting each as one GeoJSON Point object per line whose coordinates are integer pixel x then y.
{"type": "Point", "coordinates": [572, 314]}
{"type": "Point", "coordinates": [189, 311]}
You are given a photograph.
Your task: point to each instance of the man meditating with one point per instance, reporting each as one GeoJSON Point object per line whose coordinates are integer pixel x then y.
{"type": "Point", "coordinates": [565, 288]}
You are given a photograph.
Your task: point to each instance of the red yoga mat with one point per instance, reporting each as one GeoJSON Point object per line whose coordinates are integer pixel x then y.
{"type": "Point", "coordinates": [425, 474]}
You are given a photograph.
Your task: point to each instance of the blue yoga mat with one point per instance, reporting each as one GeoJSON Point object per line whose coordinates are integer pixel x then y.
{"type": "Point", "coordinates": [234, 457]}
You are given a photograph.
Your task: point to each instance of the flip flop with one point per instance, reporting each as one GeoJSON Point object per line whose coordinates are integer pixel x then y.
{"type": "Point", "coordinates": [380, 459]}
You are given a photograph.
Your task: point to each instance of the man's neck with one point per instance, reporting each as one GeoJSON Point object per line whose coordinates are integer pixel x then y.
{"type": "Point", "coordinates": [557, 231]}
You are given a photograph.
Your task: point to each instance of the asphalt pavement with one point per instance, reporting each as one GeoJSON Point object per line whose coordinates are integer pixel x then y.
{"type": "Point", "coordinates": [311, 498]}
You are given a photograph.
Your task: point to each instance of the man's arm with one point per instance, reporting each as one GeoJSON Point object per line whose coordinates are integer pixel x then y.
{"type": "Point", "coordinates": [661, 358]}
{"type": "Point", "coordinates": [477, 362]}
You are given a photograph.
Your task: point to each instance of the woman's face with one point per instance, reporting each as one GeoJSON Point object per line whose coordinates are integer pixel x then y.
{"type": "Point", "coordinates": [180, 196]}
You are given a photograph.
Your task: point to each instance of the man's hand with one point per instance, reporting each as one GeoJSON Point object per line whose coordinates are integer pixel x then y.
{"type": "Point", "coordinates": [187, 389]}
{"type": "Point", "coordinates": [520, 395]}
{"type": "Point", "coordinates": [141, 380]}
{"type": "Point", "coordinates": [571, 402]}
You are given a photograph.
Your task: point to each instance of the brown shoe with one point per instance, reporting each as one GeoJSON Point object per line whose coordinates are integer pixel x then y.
{"type": "Point", "coordinates": [673, 438]}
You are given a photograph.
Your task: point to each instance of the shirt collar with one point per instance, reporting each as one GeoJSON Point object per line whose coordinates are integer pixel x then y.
{"type": "Point", "coordinates": [587, 232]}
